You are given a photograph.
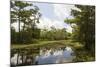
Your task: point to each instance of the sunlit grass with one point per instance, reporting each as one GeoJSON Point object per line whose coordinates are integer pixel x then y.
{"type": "Point", "coordinates": [55, 43]}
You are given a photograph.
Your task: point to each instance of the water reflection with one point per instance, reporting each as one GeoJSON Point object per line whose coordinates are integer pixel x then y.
{"type": "Point", "coordinates": [52, 56]}
{"type": "Point", "coordinates": [45, 56]}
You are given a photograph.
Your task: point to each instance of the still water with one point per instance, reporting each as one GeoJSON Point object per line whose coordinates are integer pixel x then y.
{"type": "Point", "coordinates": [46, 56]}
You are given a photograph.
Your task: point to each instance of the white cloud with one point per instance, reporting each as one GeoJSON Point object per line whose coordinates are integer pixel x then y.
{"type": "Point", "coordinates": [47, 23]}
{"type": "Point", "coordinates": [61, 11]}
{"type": "Point", "coordinates": [15, 25]}
{"type": "Point", "coordinates": [69, 28]}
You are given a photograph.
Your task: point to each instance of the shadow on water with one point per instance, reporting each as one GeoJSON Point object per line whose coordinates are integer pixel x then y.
{"type": "Point", "coordinates": [41, 56]}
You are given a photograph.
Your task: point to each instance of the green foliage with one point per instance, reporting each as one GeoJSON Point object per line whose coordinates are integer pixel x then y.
{"type": "Point", "coordinates": [70, 21]}
{"type": "Point", "coordinates": [83, 55]}
{"type": "Point", "coordinates": [84, 28]}
{"type": "Point", "coordinates": [14, 36]}
{"type": "Point", "coordinates": [21, 4]}
{"type": "Point", "coordinates": [54, 34]}
{"type": "Point", "coordinates": [36, 33]}
{"type": "Point", "coordinates": [20, 14]}
{"type": "Point", "coordinates": [26, 37]}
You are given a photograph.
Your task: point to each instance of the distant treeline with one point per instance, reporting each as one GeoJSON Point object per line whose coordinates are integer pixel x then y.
{"type": "Point", "coordinates": [38, 34]}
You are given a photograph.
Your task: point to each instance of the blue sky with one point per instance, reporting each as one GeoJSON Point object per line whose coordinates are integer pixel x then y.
{"type": "Point", "coordinates": [53, 15]}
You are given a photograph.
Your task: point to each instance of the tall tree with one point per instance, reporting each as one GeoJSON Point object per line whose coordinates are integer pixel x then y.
{"type": "Point", "coordinates": [17, 8]}
{"type": "Point", "coordinates": [84, 28]}
{"type": "Point", "coordinates": [22, 14]}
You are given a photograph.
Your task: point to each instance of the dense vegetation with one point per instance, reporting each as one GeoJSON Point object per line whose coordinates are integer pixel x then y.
{"type": "Point", "coordinates": [83, 25]}
{"type": "Point", "coordinates": [54, 34]}
{"type": "Point", "coordinates": [29, 18]}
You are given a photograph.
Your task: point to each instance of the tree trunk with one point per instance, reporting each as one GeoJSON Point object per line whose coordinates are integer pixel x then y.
{"type": "Point", "coordinates": [19, 27]}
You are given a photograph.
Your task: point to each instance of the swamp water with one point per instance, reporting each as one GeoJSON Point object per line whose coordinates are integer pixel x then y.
{"type": "Point", "coordinates": [43, 56]}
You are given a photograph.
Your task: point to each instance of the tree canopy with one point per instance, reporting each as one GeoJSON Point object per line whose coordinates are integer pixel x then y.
{"type": "Point", "coordinates": [84, 28]}
{"type": "Point", "coordinates": [29, 17]}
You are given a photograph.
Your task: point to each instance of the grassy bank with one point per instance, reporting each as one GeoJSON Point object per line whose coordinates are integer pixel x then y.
{"type": "Point", "coordinates": [56, 43]}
